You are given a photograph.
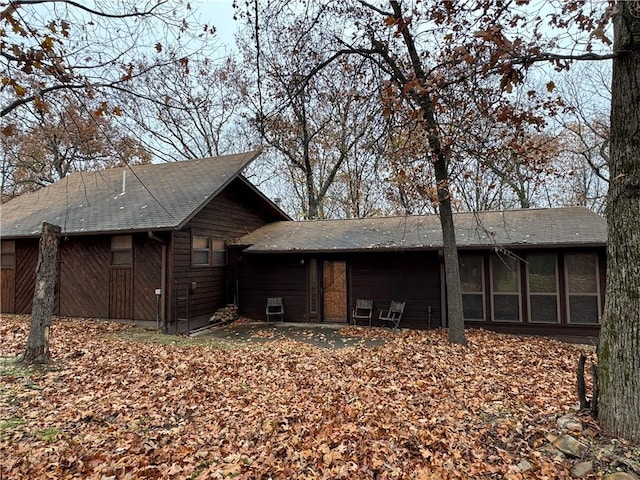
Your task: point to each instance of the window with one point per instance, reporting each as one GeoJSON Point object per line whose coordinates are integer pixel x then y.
{"type": "Point", "coordinates": [505, 288]}
{"type": "Point", "coordinates": [121, 251]}
{"type": "Point", "coordinates": [313, 286]}
{"type": "Point", "coordinates": [542, 282]}
{"type": "Point", "coordinates": [583, 289]}
{"type": "Point", "coordinates": [8, 254]}
{"type": "Point", "coordinates": [206, 251]}
{"type": "Point", "coordinates": [472, 281]}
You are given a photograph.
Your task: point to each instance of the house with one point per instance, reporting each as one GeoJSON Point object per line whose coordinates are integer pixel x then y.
{"type": "Point", "coordinates": [538, 271]}
{"type": "Point", "coordinates": [135, 240]}
{"type": "Point", "coordinates": [145, 242]}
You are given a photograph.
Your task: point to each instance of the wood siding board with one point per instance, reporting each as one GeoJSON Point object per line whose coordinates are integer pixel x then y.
{"type": "Point", "coordinates": [120, 293]}
{"type": "Point", "coordinates": [7, 290]}
{"type": "Point", "coordinates": [26, 262]}
{"type": "Point", "coordinates": [85, 277]}
{"type": "Point", "coordinates": [146, 276]}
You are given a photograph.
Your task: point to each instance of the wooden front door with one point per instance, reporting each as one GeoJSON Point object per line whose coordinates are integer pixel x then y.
{"type": "Point", "coordinates": [121, 293]}
{"type": "Point", "coordinates": [334, 291]}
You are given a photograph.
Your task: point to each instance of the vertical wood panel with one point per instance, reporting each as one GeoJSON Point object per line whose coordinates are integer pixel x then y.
{"type": "Point", "coordinates": [120, 293]}
{"type": "Point", "coordinates": [7, 290]}
{"type": "Point", "coordinates": [147, 272]}
{"type": "Point", "coordinates": [334, 280]}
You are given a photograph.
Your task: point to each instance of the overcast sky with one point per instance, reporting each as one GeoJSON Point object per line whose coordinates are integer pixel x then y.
{"type": "Point", "coordinates": [220, 14]}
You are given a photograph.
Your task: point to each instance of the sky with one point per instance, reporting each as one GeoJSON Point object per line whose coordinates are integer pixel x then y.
{"type": "Point", "coordinates": [220, 14]}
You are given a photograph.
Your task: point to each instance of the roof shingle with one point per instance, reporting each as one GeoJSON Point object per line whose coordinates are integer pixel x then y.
{"type": "Point", "coordinates": [155, 197]}
{"type": "Point", "coordinates": [512, 228]}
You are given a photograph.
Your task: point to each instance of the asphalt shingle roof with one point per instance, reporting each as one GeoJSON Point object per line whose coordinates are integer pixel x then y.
{"type": "Point", "coordinates": [155, 197]}
{"type": "Point", "coordinates": [512, 228]}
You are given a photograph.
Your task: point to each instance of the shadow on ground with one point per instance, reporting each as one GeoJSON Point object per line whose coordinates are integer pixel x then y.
{"type": "Point", "coordinates": [325, 336]}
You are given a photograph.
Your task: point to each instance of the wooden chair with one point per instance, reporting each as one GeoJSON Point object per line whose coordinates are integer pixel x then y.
{"type": "Point", "coordinates": [393, 314]}
{"type": "Point", "coordinates": [362, 311]}
{"type": "Point", "coordinates": [275, 307]}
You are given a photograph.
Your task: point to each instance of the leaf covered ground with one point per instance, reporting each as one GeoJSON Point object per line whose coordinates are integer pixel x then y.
{"type": "Point", "coordinates": [117, 405]}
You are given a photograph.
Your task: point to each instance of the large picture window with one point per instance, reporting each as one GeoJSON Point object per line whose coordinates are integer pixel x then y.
{"type": "Point", "coordinates": [583, 288]}
{"type": "Point", "coordinates": [542, 284]}
{"type": "Point", "coordinates": [207, 251]}
{"type": "Point", "coordinates": [505, 288]}
{"type": "Point", "coordinates": [472, 282]}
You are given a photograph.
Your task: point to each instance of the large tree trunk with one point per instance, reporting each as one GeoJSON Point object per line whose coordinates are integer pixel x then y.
{"type": "Point", "coordinates": [619, 350]}
{"type": "Point", "coordinates": [37, 351]}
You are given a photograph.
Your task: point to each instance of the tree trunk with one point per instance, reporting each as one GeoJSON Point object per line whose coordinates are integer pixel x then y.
{"type": "Point", "coordinates": [37, 351]}
{"type": "Point", "coordinates": [619, 349]}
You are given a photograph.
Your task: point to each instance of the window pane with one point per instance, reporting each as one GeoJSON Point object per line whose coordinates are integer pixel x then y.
{"type": "Point", "coordinates": [217, 244]}
{"type": "Point", "coordinates": [201, 243]}
{"type": "Point", "coordinates": [8, 246]}
{"type": "Point", "coordinates": [582, 273]}
{"type": "Point", "coordinates": [121, 242]}
{"type": "Point", "coordinates": [218, 257]}
{"type": "Point", "coordinates": [471, 273]}
{"type": "Point", "coordinates": [121, 257]}
{"type": "Point", "coordinates": [8, 260]}
{"type": "Point", "coordinates": [472, 306]}
{"type": "Point", "coordinates": [505, 274]}
{"type": "Point", "coordinates": [505, 307]}
{"type": "Point", "coordinates": [544, 308]}
{"type": "Point", "coordinates": [313, 286]}
{"type": "Point", "coordinates": [542, 273]}
{"type": "Point", "coordinates": [583, 309]}
{"type": "Point", "coordinates": [200, 257]}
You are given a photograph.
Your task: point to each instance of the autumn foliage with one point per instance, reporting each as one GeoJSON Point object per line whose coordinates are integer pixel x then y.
{"type": "Point", "coordinates": [112, 406]}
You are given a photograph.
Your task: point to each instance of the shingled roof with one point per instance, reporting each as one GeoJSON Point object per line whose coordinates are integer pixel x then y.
{"type": "Point", "coordinates": [513, 228]}
{"type": "Point", "coordinates": [154, 197]}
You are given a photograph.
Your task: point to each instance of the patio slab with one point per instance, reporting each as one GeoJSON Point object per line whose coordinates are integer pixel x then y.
{"type": "Point", "coordinates": [331, 336]}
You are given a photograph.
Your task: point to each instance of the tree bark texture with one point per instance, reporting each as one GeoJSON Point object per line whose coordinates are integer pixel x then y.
{"type": "Point", "coordinates": [37, 351]}
{"type": "Point", "coordinates": [619, 349]}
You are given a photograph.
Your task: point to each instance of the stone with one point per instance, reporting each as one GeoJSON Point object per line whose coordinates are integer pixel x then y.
{"type": "Point", "coordinates": [621, 476]}
{"type": "Point", "coordinates": [582, 469]}
{"type": "Point", "coordinates": [570, 446]}
{"type": "Point", "coordinates": [569, 422]}
{"type": "Point", "coordinates": [524, 466]}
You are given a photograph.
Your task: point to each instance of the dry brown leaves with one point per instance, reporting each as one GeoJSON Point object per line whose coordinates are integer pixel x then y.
{"type": "Point", "coordinates": [416, 407]}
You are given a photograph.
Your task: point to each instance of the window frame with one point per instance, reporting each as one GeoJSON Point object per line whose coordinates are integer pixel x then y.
{"type": "Point", "coordinates": [493, 292]}
{"type": "Point", "coordinates": [480, 293]}
{"type": "Point", "coordinates": [8, 251]}
{"type": "Point", "coordinates": [216, 251]}
{"type": "Point", "coordinates": [542, 294]}
{"type": "Point", "coordinates": [119, 249]}
{"type": "Point", "coordinates": [596, 294]}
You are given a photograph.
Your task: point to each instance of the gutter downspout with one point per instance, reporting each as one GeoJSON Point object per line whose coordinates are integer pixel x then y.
{"type": "Point", "coordinates": [163, 279]}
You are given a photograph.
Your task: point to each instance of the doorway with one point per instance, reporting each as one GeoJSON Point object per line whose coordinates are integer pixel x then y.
{"type": "Point", "coordinates": [334, 291]}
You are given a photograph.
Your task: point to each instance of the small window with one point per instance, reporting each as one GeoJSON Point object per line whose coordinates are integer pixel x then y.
{"type": "Point", "coordinates": [208, 251]}
{"type": "Point", "coordinates": [472, 282]}
{"type": "Point", "coordinates": [505, 287]}
{"type": "Point", "coordinates": [542, 281]}
{"type": "Point", "coordinates": [313, 286]}
{"type": "Point", "coordinates": [583, 290]}
{"type": "Point", "coordinates": [8, 254]}
{"type": "Point", "coordinates": [121, 251]}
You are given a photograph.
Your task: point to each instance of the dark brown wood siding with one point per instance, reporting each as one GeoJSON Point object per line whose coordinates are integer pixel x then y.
{"type": "Point", "coordinates": [409, 277]}
{"type": "Point", "coordinates": [26, 262]}
{"type": "Point", "coordinates": [262, 276]}
{"type": "Point", "coordinates": [7, 290]}
{"type": "Point", "coordinates": [84, 277]}
{"type": "Point", "coordinates": [234, 212]}
{"type": "Point", "coordinates": [120, 293]}
{"type": "Point", "coordinates": [147, 271]}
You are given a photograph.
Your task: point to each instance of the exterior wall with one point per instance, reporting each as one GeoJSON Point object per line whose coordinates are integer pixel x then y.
{"type": "Point", "coordinates": [262, 276]}
{"type": "Point", "coordinates": [236, 211]}
{"type": "Point", "coordinates": [410, 277]}
{"type": "Point", "coordinates": [26, 261]}
{"type": "Point", "coordinates": [413, 278]}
